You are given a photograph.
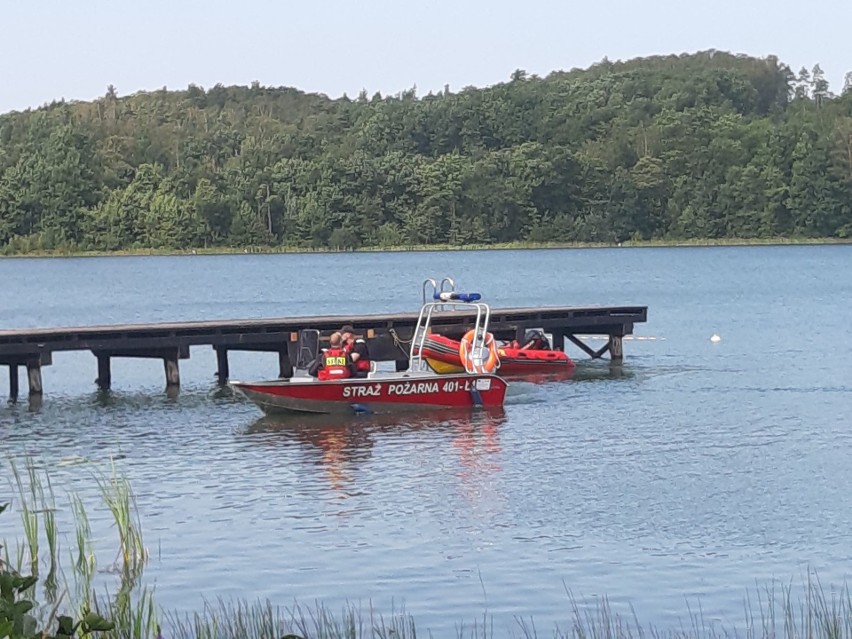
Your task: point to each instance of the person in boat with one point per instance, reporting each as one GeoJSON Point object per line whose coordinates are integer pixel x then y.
{"type": "Point", "coordinates": [358, 351]}
{"type": "Point", "coordinates": [534, 340]}
{"type": "Point", "coordinates": [334, 362]}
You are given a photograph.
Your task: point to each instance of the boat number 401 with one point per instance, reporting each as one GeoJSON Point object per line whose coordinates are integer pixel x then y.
{"type": "Point", "coordinates": [455, 385]}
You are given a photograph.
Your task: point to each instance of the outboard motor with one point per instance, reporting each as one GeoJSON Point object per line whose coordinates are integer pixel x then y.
{"type": "Point", "coordinates": [535, 339]}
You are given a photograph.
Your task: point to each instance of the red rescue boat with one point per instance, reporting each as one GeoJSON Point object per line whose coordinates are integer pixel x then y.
{"type": "Point", "coordinates": [385, 392]}
{"type": "Point", "coordinates": [442, 355]}
{"type": "Point", "coordinates": [420, 387]}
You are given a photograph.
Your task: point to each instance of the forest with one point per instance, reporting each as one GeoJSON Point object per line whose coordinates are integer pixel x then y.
{"type": "Point", "coordinates": [682, 147]}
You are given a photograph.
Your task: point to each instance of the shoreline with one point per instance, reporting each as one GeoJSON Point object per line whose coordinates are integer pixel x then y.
{"type": "Point", "coordinates": [426, 248]}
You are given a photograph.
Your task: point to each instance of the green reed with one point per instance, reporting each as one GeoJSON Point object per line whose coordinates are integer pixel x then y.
{"type": "Point", "coordinates": [48, 511]}
{"type": "Point", "coordinates": [133, 609]}
{"type": "Point", "coordinates": [261, 620]}
{"type": "Point", "coordinates": [28, 500]}
{"type": "Point", "coordinates": [134, 612]}
{"type": "Point", "coordinates": [83, 559]}
{"type": "Point", "coordinates": [121, 501]}
{"type": "Point", "coordinates": [776, 612]}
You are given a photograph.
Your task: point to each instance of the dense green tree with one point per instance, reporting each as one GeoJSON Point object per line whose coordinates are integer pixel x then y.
{"type": "Point", "coordinates": [709, 145]}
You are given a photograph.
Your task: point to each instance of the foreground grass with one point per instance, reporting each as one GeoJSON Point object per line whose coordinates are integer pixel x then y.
{"type": "Point", "coordinates": [774, 613]}
{"type": "Point", "coordinates": [777, 241]}
{"type": "Point", "coordinates": [68, 587]}
{"type": "Point", "coordinates": [778, 611]}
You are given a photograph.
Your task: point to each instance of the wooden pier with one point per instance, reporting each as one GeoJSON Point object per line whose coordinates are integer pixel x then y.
{"type": "Point", "coordinates": [388, 336]}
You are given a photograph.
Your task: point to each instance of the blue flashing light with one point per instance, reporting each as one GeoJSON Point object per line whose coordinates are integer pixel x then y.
{"type": "Point", "coordinates": [453, 296]}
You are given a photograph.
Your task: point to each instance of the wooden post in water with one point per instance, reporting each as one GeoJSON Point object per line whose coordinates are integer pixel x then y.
{"type": "Point", "coordinates": [34, 376]}
{"type": "Point", "coordinates": [558, 339]}
{"type": "Point", "coordinates": [222, 371]}
{"type": "Point", "coordinates": [170, 363]}
{"type": "Point", "coordinates": [401, 365]}
{"type": "Point", "coordinates": [13, 382]}
{"type": "Point", "coordinates": [285, 367]}
{"type": "Point", "coordinates": [616, 350]}
{"type": "Point", "coordinates": [104, 380]}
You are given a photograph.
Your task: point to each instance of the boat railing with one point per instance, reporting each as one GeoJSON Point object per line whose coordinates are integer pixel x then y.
{"type": "Point", "coordinates": [418, 339]}
{"type": "Point", "coordinates": [447, 285]}
{"type": "Point", "coordinates": [448, 301]}
{"type": "Point", "coordinates": [427, 283]}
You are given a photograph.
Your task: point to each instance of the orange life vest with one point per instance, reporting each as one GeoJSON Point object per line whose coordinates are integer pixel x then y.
{"type": "Point", "coordinates": [362, 365]}
{"type": "Point", "coordinates": [335, 364]}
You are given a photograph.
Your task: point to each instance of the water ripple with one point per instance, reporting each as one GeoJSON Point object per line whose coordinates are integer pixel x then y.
{"type": "Point", "coordinates": [692, 471]}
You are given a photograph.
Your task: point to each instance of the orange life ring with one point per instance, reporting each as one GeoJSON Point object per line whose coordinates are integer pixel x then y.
{"type": "Point", "coordinates": [489, 365]}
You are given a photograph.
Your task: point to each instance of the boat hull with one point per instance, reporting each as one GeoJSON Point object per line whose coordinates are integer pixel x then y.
{"type": "Point", "coordinates": [442, 355]}
{"type": "Point", "coordinates": [378, 395]}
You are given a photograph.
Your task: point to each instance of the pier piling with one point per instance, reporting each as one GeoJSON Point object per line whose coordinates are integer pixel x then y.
{"type": "Point", "coordinates": [172, 368]}
{"type": "Point", "coordinates": [34, 377]}
{"type": "Point", "coordinates": [104, 380]}
{"type": "Point", "coordinates": [222, 372]}
{"type": "Point", "coordinates": [13, 382]}
{"type": "Point", "coordinates": [616, 352]}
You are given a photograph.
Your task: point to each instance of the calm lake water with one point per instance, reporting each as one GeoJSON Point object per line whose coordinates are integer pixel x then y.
{"type": "Point", "coordinates": [705, 471]}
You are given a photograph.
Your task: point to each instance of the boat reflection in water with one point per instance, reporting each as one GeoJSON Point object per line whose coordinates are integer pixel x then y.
{"type": "Point", "coordinates": [344, 443]}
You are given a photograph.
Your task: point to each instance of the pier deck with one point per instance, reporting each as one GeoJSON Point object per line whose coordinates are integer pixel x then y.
{"type": "Point", "coordinates": [387, 335]}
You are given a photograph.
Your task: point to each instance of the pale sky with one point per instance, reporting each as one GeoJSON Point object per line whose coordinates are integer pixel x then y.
{"type": "Point", "coordinates": [52, 49]}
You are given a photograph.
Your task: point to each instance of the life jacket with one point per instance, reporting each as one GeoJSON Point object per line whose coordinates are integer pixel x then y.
{"type": "Point", "coordinates": [335, 364]}
{"type": "Point", "coordinates": [363, 363]}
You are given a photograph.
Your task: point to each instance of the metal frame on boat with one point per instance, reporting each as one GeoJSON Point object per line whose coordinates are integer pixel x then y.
{"type": "Point", "coordinates": [448, 300]}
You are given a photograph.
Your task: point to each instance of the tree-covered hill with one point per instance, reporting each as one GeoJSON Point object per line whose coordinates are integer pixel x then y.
{"type": "Point", "coordinates": [709, 145]}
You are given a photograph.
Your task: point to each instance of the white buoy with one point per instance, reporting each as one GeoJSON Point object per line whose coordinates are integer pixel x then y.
{"type": "Point", "coordinates": [715, 338]}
